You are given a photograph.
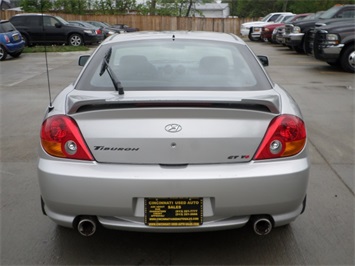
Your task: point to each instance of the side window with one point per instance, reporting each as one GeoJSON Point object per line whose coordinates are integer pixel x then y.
{"type": "Point", "coordinates": [49, 21]}
{"type": "Point", "coordinates": [33, 21]}
{"type": "Point", "coordinates": [273, 17]}
{"type": "Point", "coordinates": [6, 27]}
{"type": "Point", "coordinates": [17, 21]}
{"type": "Point", "coordinates": [346, 14]}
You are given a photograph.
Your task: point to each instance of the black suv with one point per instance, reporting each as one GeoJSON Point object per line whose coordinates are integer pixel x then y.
{"type": "Point", "coordinates": [41, 28]}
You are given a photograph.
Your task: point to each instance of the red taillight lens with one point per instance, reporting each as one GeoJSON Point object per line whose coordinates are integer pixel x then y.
{"type": "Point", "coordinates": [286, 136]}
{"type": "Point", "coordinates": [61, 137]}
{"type": "Point", "coordinates": [7, 39]}
{"type": "Point", "coordinates": [98, 31]}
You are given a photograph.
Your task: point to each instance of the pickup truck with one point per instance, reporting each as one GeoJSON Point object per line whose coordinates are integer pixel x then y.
{"type": "Point", "coordinates": [271, 17]}
{"type": "Point", "coordinates": [309, 36]}
{"type": "Point", "coordinates": [335, 44]}
{"type": "Point", "coordinates": [267, 30]}
{"type": "Point", "coordinates": [295, 32]}
{"type": "Point", "coordinates": [255, 30]}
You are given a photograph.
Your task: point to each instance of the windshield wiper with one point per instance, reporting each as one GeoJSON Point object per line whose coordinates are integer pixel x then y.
{"type": "Point", "coordinates": [106, 67]}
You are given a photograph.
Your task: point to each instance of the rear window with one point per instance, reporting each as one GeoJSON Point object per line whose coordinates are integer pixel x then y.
{"type": "Point", "coordinates": [26, 21]}
{"type": "Point", "coordinates": [17, 20]}
{"type": "Point", "coordinates": [176, 64]}
{"type": "Point", "coordinates": [6, 27]}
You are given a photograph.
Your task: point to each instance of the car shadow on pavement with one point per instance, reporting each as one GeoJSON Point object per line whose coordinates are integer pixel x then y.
{"type": "Point", "coordinates": [229, 247]}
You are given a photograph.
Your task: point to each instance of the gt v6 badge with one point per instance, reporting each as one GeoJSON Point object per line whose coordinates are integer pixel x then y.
{"type": "Point", "coordinates": [234, 157]}
{"type": "Point", "coordinates": [173, 128]}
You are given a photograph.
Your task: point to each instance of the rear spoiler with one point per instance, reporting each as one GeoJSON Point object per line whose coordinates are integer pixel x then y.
{"type": "Point", "coordinates": [269, 105]}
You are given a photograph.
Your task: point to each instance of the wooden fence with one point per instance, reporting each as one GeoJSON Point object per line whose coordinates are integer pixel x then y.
{"type": "Point", "coordinates": [156, 23]}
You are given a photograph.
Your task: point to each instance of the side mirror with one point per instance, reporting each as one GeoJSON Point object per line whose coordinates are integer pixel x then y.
{"type": "Point", "coordinates": [83, 59]}
{"type": "Point", "coordinates": [264, 60]}
{"type": "Point", "coordinates": [58, 25]}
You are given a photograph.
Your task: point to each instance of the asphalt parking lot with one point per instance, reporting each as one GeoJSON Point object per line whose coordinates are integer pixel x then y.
{"type": "Point", "coordinates": [323, 235]}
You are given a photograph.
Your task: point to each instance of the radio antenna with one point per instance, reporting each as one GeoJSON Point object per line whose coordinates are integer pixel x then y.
{"type": "Point", "coordinates": [50, 107]}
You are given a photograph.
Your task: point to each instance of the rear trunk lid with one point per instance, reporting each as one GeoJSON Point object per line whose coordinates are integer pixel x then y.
{"type": "Point", "coordinates": [185, 128]}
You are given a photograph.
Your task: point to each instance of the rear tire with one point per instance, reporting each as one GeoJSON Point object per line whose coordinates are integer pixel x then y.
{"type": "Point", "coordinates": [3, 53]}
{"type": "Point", "coordinates": [27, 40]}
{"type": "Point", "coordinates": [15, 55]}
{"type": "Point", "coordinates": [347, 60]}
{"type": "Point", "coordinates": [75, 40]}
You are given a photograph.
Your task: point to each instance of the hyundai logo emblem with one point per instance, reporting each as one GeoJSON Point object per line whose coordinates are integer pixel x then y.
{"type": "Point", "coordinates": [173, 128]}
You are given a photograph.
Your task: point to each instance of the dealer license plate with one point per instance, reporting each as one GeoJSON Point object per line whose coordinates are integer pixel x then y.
{"type": "Point", "coordinates": [173, 212]}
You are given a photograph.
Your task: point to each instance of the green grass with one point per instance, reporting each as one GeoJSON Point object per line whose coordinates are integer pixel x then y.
{"type": "Point", "coordinates": [55, 48]}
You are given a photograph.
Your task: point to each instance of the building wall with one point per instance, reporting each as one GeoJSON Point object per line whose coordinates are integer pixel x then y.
{"type": "Point", "coordinates": [213, 10]}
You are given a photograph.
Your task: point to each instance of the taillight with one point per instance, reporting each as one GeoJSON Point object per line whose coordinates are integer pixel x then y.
{"type": "Point", "coordinates": [98, 31]}
{"type": "Point", "coordinates": [7, 39]}
{"type": "Point", "coordinates": [286, 136]}
{"type": "Point", "coordinates": [61, 137]}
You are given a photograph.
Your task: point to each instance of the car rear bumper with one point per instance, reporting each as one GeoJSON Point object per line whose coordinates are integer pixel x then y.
{"type": "Point", "coordinates": [231, 193]}
{"type": "Point", "coordinates": [88, 38]}
{"type": "Point", "coordinates": [15, 47]}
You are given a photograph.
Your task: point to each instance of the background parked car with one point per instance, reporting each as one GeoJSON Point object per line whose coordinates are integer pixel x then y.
{"type": "Point", "coordinates": [295, 32]}
{"type": "Point", "coordinates": [84, 24]}
{"type": "Point", "coordinates": [255, 31]}
{"type": "Point", "coordinates": [330, 40]}
{"type": "Point", "coordinates": [125, 27]}
{"type": "Point", "coordinates": [280, 31]}
{"type": "Point", "coordinates": [334, 44]}
{"type": "Point", "coordinates": [107, 29]}
{"type": "Point", "coordinates": [39, 29]}
{"type": "Point", "coordinates": [309, 36]}
{"type": "Point", "coordinates": [245, 27]}
{"type": "Point", "coordinates": [267, 30]}
{"type": "Point", "coordinates": [11, 41]}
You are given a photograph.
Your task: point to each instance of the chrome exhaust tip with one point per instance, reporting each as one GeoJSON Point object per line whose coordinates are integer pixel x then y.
{"type": "Point", "coordinates": [86, 226]}
{"type": "Point", "coordinates": [262, 225]}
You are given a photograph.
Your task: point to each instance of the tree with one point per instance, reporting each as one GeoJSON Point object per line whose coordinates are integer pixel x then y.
{"type": "Point", "coordinates": [258, 8]}
{"type": "Point", "coordinates": [304, 6]}
{"type": "Point", "coordinates": [189, 8]}
{"type": "Point", "coordinates": [174, 7]}
{"type": "Point", "coordinates": [36, 5]}
{"type": "Point", "coordinates": [241, 8]}
{"type": "Point", "coordinates": [232, 7]}
{"type": "Point", "coordinates": [153, 5]}
{"type": "Point", "coordinates": [73, 7]}
{"type": "Point", "coordinates": [123, 6]}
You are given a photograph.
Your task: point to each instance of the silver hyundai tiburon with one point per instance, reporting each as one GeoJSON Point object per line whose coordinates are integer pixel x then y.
{"type": "Point", "coordinates": [173, 132]}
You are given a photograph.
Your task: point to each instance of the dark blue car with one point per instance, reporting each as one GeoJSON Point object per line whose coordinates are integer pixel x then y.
{"type": "Point", "coordinates": [11, 41]}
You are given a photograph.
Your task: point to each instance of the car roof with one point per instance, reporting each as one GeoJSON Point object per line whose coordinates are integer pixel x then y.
{"type": "Point", "coordinates": [32, 14]}
{"type": "Point", "coordinates": [282, 13]}
{"type": "Point", "coordinates": [156, 35]}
